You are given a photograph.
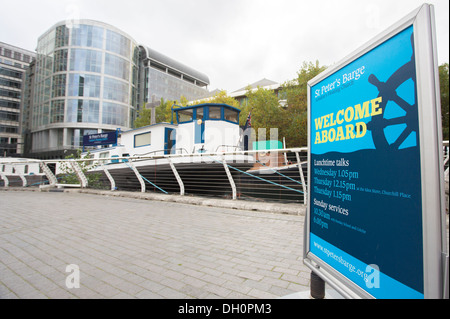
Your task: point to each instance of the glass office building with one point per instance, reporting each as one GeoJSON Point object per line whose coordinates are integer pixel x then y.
{"type": "Point", "coordinates": [85, 82]}
{"type": "Point", "coordinates": [14, 62]}
{"type": "Point", "coordinates": [91, 77]}
{"type": "Point", "coordinates": [163, 77]}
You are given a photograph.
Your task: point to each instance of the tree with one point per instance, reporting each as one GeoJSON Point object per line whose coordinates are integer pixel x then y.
{"type": "Point", "coordinates": [295, 128]}
{"type": "Point", "coordinates": [144, 117]}
{"type": "Point", "coordinates": [220, 97]}
{"type": "Point", "coordinates": [443, 79]}
{"type": "Point", "coordinates": [70, 177]}
{"type": "Point", "coordinates": [164, 111]}
{"type": "Point", "coordinates": [265, 111]}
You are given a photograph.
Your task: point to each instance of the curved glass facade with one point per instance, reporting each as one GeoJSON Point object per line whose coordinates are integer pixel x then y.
{"type": "Point", "coordinates": [86, 80]}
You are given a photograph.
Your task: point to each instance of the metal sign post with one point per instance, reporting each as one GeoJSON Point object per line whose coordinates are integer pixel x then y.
{"type": "Point", "coordinates": [376, 213]}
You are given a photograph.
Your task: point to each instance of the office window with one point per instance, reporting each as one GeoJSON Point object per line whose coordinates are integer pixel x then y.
{"type": "Point", "coordinates": [59, 85]}
{"type": "Point", "coordinates": [86, 60]}
{"type": "Point", "coordinates": [116, 90]}
{"type": "Point", "coordinates": [88, 36]}
{"type": "Point", "coordinates": [86, 85]}
{"type": "Point", "coordinates": [117, 43]}
{"type": "Point", "coordinates": [117, 66]}
{"type": "Point", "coordinates": [60, 60]}
{"type": "Point", "coordinates": [82, 111]}
{"type": "Point", "coordinates": [57, 111]}
{"type": "Point", "coordinates": [61, 36]}
{"type": "Point", "coordinates": [115, 114]}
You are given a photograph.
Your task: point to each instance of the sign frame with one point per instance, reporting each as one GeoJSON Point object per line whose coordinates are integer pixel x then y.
{"type": "Point", "coordinates": [104, 138]}
{"type": "Point", "coordinates": [435, 253]}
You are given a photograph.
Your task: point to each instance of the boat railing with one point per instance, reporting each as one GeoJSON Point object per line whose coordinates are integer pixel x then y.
{"type": "Point", "coordinates": [227, 148]}
{"type": "Point", "coordinates": [239, 175]}
{"type": "Point", "coordinates": [180, 150]}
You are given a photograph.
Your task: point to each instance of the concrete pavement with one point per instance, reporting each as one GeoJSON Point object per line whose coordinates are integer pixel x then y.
{"type": "Point", "coordinates": [132, 248]}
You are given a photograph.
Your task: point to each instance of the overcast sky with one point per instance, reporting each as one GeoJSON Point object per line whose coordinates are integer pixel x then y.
{"type": "Point", "coordinates": [234, 42]}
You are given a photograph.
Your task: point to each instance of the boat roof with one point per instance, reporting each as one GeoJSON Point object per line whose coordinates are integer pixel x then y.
{"type": "Point", "coordinates": [181, 108]}
{"type": "Point", "coordinates": [147, 126]}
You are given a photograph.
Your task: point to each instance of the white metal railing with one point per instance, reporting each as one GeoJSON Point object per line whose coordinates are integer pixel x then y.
{"type": "Point", "coordinates": [260, 175]}
{"type": "Point", "coordinates": [255, 175]}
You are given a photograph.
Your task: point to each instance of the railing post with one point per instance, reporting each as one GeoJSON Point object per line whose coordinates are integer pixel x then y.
{"type": "Point", "coordinates": [177, 176]}
{"type": "Point", "coordinates": [24, 180]}
{"type": "Point", "coordinates": [111, 179]}
{"type": "Point", "coordinates": [230, 177]}
{"type": "Point", "coordinates": [81, 177]}
{"type": "Point", "coordinates": [50, 176]}
{"type": "Point", "coordinates": [5, 179]}
{"type": "Point", "coordinates": [302, 177]}
{"type": "Point", "coordinates": [138, 175]}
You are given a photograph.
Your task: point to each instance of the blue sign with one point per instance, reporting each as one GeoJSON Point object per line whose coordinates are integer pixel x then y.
{"type": "Point", "coordinates": [106, 138]}
{"type": "Point", "coordinates": [365, 172]}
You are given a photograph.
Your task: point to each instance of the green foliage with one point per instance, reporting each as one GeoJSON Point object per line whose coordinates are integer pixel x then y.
{"type": "Point", "coordinates": [220, 97]}
{"type": "Point", "coordinates": [291, 121]}
{"type": "Point", "coordinates": [164, 111]}
{"type": "Point", "coordinates": [144, 117]}
{"type": "Point", "coordinates": [295, 127]}
{"type": "Point", "coordinates": [265, 111]}
{"type": "Point", "coordinates": [70, 177]}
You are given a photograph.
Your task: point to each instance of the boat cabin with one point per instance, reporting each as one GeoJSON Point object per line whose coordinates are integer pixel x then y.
{"type": "Point", "coordinates": [207, 128]}
{"type": "Point", "coordinates": [199, 129]}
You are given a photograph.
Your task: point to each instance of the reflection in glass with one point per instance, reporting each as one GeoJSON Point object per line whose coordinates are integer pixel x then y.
{"type": "Point", "coordinates": [117, 43]}
{"type": "Point", "coordinates": [115, 114]}
{"type": "Point", "coordinates": [79, 110]}
{"type": "Point", "coordinates": [116, 90]}
{"type": "Point", "coordinates": [88, 36]}
{"type": "Point", "coordinates": [61, 36]}
{"type": "Point", "coordinates": [231, 115]}
{"type": "Point", "coordinates": [85, 60]}
{"type": "Point", "coordinates": [60, 59]}
{"type": "Point", "coordinates": [117, 66]}
{"type": "Point", "coordinates": [57, 111]}
{"type": "Point", "coordinates": [86, 85]}
{"type": "Point", "coordinates": [215, 112]}
{"type": "Point", "coordinates": [59, 85]}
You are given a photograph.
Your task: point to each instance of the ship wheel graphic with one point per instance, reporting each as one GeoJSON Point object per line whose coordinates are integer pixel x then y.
{"type": "Point", "coordinates": [387, 90]}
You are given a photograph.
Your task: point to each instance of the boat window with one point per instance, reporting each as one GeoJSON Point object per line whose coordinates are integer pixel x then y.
{"type": "Point", "coordinates": [104, 155]}
{"type": "Point", "coordinates": [215, 112]}
{"type": "Point", "coordinates": [3, 168]}
{"type": "Point", "coordinates": [25, 170]}
{"type": "Point", "coordinates": [142, 139]}
{"type": "Point", "coordinates": [200, 113]}
{"type": "Point", "coordinates": [185, 115]}
{"type": "Point", "coordinates": [231, 115]}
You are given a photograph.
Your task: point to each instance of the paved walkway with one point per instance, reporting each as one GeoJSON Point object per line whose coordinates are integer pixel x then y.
{"type": "Point", "coordinates": [131, 248]}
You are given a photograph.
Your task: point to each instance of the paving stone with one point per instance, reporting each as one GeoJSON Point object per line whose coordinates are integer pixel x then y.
{"type": "Point", "coordinates": [147, 249]}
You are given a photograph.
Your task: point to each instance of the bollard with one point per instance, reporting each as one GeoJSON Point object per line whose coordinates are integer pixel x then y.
{"type": "Point", "coordinates": [317, 286]}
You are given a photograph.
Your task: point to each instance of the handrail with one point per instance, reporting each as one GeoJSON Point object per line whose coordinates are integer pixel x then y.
{"type": "Point", "coordinates": [236, 174]}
